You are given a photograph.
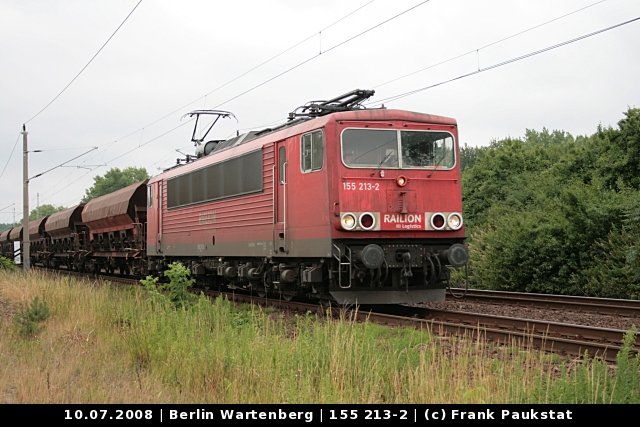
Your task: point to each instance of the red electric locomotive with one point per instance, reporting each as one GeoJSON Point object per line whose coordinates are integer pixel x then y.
{"type": "Point", "coordinates": [341, 203]}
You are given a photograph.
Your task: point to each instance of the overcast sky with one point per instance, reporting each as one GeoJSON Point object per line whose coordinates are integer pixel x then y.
{"type": "Point", "coordinates": [170, 54]}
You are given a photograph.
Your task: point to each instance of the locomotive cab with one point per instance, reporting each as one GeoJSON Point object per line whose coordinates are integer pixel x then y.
{"type": "Point", "coordinates": [398, 225]}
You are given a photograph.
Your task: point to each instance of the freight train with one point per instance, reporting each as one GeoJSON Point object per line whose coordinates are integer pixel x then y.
{"type": "Point", "coordinates": [341, 204]}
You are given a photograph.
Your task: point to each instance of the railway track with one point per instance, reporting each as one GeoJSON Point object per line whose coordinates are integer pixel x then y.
{"type": "Point", "coordinates": [568, 339]}
{"type": "Point", "coordinates": [620, 307]}
{"type": "Point", "coordinates": [556, 337]}
{"type": "Point", "coordinates": [572, 340]}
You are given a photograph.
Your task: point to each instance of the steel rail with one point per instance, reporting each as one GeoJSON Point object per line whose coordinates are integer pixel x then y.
{"type": "Point", "coordinates": [621, 307]}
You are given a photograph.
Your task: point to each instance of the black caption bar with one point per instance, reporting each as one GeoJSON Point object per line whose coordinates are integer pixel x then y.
{"type": "Point", "coordinates": [139, 414]}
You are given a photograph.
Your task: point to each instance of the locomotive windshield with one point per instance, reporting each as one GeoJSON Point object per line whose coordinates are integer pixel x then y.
{"type": "Point", "coordinates": [380, 147]}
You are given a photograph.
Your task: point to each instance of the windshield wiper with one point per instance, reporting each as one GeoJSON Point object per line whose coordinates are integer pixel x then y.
{"type": "Point", "coordinates": [389, 154]}
{"type": "Point", "coordinates": [435, 167]}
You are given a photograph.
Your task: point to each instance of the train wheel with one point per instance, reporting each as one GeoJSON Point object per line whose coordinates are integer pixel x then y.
{"type": "Point", "coordinates": [286, 297]}
{"type": "Point", "coordinates": [325, 304]}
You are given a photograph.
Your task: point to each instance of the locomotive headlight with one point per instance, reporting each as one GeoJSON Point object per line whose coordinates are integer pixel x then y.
{"type": "Point", "coordinates": [437, 221]}
{"type": "Point", "coordinates": [367, 221]}
{"type": "Point", "coordinates": [455, 221]}
{"type": "Point", "coordinates": [401, 181]}
{"type": "Point", "coordinates": [348, 221]}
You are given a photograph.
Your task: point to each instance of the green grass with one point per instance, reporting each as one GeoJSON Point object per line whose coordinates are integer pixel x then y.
{"type": "Point", "coordinates": [109, 344]}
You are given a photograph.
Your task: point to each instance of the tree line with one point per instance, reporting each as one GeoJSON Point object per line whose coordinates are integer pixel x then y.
{"type": "Point", "coordinates": [554, 213]}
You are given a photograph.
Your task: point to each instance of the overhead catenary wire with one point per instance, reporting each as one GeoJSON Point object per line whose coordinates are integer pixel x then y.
{"type": "Point", "coordinates": [10, 155]}
{"type": "Point", "coordinates": [283, 72]}
{"type": "Point", "coordinates": [245, 73]}
{"type": "Point", "coordinates": [7, 207]}
{"type": "Point", "coordinates": [62, 164]}
{"type": "Point", "coordinates": [476, 50]}
{"type": "Point", "coordinates": [503, 63]}
{"type": "Point", "coordinates": [402, 95]}
{"type": "Point", "coordinates": [86, 65]}
{"type": "Point", "coordinates": [118, 157]}
{"type": "Point", "coordinates": [262, 83]}
{"type": "Point", "coordinates": [391, 99]}
{"type": "Point", "coordinates": [322, 53]}
{"type": "Point", "coordinates": [211, 92]}
{"type": "Point", "coordinates": [63, 148]}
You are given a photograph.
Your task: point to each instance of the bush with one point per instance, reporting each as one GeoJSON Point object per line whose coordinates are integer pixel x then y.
{"type": "Point", "coordinates": [546, 246]}
{"type": "Point", "coordinates": [28, 319]}
{"type": "Point", "coordinates": [177, 289]}
{"type": "Point", "coordinates": [6, 264]}
{"type": "Point", "coordinates": [555, 214]}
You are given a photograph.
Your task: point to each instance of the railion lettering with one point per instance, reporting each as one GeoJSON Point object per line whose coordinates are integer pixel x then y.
{"type": "Point", "coordinates": [402, 218]}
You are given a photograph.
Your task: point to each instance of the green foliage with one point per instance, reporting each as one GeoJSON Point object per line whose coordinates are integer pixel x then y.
{"type": "Point", "coordinates": [231, 353]}
{"type": "Point", "coordinates": [594, 381]}
{"type": "Point", "coordinates": [151, 285]}
{"type": "Point", "coordinates": [468, 156]}
{"type": "Point", "coordinates": [503, 172]}
{"type": "Point", "coordinates": [627, 381]}
{"type": "Point", "coordinates": [6, 264]}
{"type": "Point", "coordinates": [554, 213]}
{"type": "Point", "coordinates": [113, 180]}
{"type": "Point", "coordinates": [44, 210]}
{"type": "Point", "coordinates": [28, 319]}
{"type": "Point", "coordinates": [544, 245]}
{"type": "Point", "coordinates": [619, 152]}
{"type": "Point", "coordinates": [614, 270]}
{"type": "Point", "coordinates": [177, 289]}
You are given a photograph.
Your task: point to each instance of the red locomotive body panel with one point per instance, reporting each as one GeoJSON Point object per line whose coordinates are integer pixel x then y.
{"type": "Point", "coordinates": [213, 227]}
{"type": "Point", "coordinates": [262, 223]}
{"type": "Point", "coordinates": [399, 210]}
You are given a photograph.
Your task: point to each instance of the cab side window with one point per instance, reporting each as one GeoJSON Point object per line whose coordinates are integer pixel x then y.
{"type": "Point", "coordinates": [312, 151]}
{"type": "Point", "coordinates": [282, 155]}
{"type": "Point", "coordinates": [149, 196]}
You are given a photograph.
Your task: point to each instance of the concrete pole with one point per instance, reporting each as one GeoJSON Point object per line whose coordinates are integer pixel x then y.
{"type": "Point", "coordinates": [26, 253]}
